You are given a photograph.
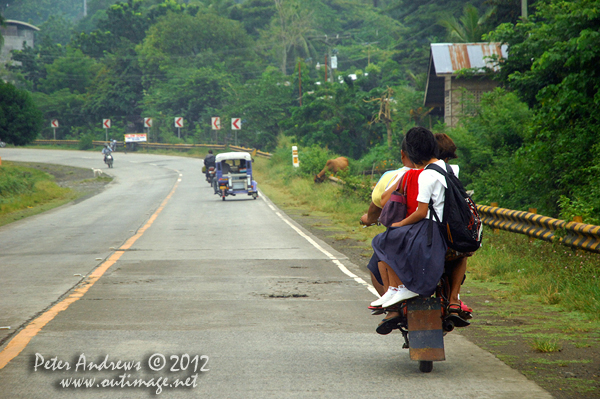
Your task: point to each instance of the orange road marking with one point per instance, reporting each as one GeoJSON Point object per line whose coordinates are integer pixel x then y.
{"type": "Point", "coordinates": [21, 340]}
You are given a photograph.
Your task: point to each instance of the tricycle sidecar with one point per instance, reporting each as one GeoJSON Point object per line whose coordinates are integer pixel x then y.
{"type": "Point", "coordinates": [234, 175]}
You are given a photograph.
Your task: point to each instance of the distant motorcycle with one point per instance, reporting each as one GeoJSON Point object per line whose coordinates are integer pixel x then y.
{"type": "Point", "coordinates": [2, 144]}
{"type": "Point", "coordinates": [210, 175]}
{"type": "Point", "coordinates": [108, 159]}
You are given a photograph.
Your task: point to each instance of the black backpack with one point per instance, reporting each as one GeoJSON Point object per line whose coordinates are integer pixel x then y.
{"type": "Point", "coordinates": [461, 225]}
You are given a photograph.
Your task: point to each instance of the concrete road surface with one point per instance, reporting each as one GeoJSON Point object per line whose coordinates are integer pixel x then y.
{"type": "Point", "coordinates": [157, 287]}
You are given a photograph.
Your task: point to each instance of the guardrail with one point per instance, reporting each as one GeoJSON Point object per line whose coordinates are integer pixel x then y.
{"type": "Point", "coordinates": [180, 147]}
{"type": "Point", "coordinates": [574, 234]}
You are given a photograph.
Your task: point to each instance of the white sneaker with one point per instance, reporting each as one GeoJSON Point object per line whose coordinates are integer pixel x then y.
{"type": "Point", "coordinates": [402, 294]}
{"type": "Point", "coordinates": [386, 297]}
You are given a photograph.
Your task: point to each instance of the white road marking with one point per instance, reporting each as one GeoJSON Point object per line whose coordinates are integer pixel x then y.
{"type": "Point", "coordinates": [339, 264]}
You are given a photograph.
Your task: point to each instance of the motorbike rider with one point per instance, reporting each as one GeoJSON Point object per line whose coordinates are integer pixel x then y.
{"type": "Point", "coordinates": [106, 151]}
{"type": "Point", "coordinates": [209, 161]}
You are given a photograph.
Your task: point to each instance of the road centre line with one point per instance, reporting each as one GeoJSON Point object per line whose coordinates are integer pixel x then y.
{"type": "Point", "coordinates": [22, 339]}
{"type": "Point", "coordinates": [339, 264]}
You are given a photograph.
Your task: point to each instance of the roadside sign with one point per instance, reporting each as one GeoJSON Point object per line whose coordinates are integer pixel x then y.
{"type": "Point", "coordinates": [106, 123]}
{"type": "Point", "coordinates": [215, 122]}
{"type": "Point", "coordinates": [179, 122]}
{"type": "Point", "coordinates": [236, 123]}
{"type": "Point", "coordinates": [54, 123]}
{"type": "Point", "coordinates": [147, 122]}
{"type": "Point", "coordinates": [135, 138]}
{"type": "Point", "coordinates": [295, 160]}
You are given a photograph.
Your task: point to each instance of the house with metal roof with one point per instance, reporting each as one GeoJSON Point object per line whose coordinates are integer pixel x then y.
{"type": "Point", "coordinates": [16, 35]}
{"type": "Point", "coordinates": [446, 88]}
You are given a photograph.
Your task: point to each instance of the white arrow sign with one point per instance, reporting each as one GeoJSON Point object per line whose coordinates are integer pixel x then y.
{"type": "Point", "coordinates": [147, 122]}
{"type": "Point", "coordinates": [106, 123]}
{"type": "Point", "coordinates": [179, 122]}
{"type": "Point", "coordinates": [236, 123]}
{"type": "Point", "coordinates": [54, 123]}
{"type": "Point", "coordinates": [215, 123]}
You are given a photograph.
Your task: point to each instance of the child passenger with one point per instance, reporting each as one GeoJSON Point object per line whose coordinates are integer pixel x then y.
{"type": "Point", "coordinates": [409, 256]}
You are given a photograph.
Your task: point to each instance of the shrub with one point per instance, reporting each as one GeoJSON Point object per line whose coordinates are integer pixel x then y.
{"type": "Point", "coordinates": [313, 159]}
{"type": "Point", "coordinates": [86, 142]}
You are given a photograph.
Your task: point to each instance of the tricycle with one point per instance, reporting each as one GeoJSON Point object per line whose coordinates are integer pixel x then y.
{"type": "Point", "coordinates": [233, 175]}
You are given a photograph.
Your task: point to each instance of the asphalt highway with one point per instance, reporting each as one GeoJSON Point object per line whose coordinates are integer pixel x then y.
{"type": "Point", "coordinates": [157, 287]}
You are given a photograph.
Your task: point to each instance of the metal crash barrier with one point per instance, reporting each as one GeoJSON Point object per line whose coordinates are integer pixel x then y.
{"type": "Point", "coordinates": [578, 235]}
{"type": "Point", "coordinates": [141, 145]}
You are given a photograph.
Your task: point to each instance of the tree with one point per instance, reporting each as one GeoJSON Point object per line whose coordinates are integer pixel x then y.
{"type": "Point", "coordinates": [35, 11]}
{"type": "Point", "coordinates": [117, 89]}
{"type": "Point", "coordinates": [290, 29]}
{"type": "Point", "coordinates": [254, 15]}
{"type": "Point", "coordinates": [20, 119]}
{"type": "Point", "coordinates": [385, 113]}
{"type": "Point", "coordinates": [553, 67]}
{"type": "Point", "coordinates": [263, 104]}
{"type": "Point", "coordinates": [336, 116]}
{"type": "Point", "coordinates": [74, 71]}
{"type": "Point", "coordinates": [203, 40]}
{"type": "Point", "coordinates": [31, 62]}
{"type": "Point", "coordinates": [189, 93]}
{"type": "Point", "coordinates": [2, 20]}
{"type": "Point", "coordinates": [470, 28]}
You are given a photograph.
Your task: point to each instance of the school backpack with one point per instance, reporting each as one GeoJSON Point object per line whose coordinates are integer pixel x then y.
{"type": "Point", "coordinates": [461, 224]}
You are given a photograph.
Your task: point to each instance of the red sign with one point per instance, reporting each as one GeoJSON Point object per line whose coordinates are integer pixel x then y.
{"type": "Point", "coordinates": [178, 122]}
{"type": "Point", "coordinates": [106, 123]}
{"type": "Point", "coordinates": [236, 123]}
{"type": "Point", "coordinates": [54, 123]}
{"type": "Point", "coordinates": [216, 123]}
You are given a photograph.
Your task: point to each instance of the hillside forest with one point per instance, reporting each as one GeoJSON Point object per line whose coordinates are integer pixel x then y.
{"type": "Point", "coordinates": [532, 142]}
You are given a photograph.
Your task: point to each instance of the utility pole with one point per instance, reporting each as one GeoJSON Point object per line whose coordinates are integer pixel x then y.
{"type": "Point", "coordinates": [85, 8]}
{"type": "Point", "coordinates": [299, 83]}
{"type": "Point", "coordinates": [524, 9]}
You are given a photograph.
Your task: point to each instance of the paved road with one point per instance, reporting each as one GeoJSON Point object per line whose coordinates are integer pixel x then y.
{"type": "Point", "coordinates": [169, 269]}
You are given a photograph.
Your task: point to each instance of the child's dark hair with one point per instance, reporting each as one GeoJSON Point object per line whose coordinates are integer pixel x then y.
{"type": "Point", "coordinates": [420, 145]}
{"type": "Point", "coordinates": [447, 148]}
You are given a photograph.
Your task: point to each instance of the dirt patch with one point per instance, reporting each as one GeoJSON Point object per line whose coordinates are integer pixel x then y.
{"type": "Point", "coordinates": [80, 180]}
{"type": "Point", "coordinates": [513, 329]}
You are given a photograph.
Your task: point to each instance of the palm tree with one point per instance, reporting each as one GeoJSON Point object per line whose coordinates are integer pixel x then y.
{"type": "Point", "coordinates": [291, 30]}
{"type": "Point", "coordinates": [470, 28]}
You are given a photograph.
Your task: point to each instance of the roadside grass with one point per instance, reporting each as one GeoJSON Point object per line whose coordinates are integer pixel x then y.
{"type": "Point", "coordinates": [27, 191]}
{"type": "Point", "coordinates": [546, 345]}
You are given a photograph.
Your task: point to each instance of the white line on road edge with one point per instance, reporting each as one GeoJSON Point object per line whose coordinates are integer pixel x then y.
{"type": "Point", "coordinates": [339, 264]}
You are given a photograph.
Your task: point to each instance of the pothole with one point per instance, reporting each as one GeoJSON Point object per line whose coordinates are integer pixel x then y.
{"type": "Point", "coordinates": [287, 296]}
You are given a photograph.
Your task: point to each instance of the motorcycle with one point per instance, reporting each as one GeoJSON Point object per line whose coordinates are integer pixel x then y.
{"type": "Point", "coordinates": [2, 144]}
{"type": "Point", "coordinates": [424, 321]}
{"type": "Point", "coordinates": [108, 159]}
{"type": "Point", "coordinates": [210, 175]}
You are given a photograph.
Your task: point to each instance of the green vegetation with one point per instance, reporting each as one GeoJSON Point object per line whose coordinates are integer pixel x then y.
{"type": "Point", "coordinates": [26, 191]}
{"type": "Point", "coordinates": [532, 143]}
{"type": "Point", "coordinates": [20, 120]}
{"type": "Point", "coordinates": [546, 345]}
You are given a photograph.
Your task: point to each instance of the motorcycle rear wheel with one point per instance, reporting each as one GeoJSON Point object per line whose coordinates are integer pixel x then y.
{"type": "Point", "coordinates": [425, 366]}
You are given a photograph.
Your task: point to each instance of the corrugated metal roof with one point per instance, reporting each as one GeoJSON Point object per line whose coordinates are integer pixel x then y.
{"type": "Point", "coordinates": [21, 23]}
{"type": "Point", "coordinates": [448, 58]}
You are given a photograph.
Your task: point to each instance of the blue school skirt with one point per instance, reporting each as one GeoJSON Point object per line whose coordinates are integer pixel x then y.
{"type": "Point", "coordinates": [416, 253]}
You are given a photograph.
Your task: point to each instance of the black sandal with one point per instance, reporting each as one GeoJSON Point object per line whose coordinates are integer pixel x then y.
{"type": "Point", "coordinates": [387, 325]}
